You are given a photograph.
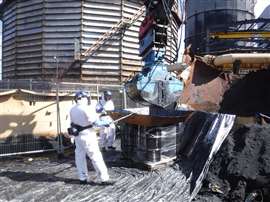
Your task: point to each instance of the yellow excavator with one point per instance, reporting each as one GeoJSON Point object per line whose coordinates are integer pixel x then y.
{"type": "Point", "coordinates": [234, 80]}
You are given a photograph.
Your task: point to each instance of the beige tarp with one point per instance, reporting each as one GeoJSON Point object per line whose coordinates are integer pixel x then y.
{"type": "Point", "coordinates": [27, 112]}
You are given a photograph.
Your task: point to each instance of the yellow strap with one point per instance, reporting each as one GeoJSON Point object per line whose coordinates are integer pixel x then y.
{"type": "Point", "coordinates": [240, 35]}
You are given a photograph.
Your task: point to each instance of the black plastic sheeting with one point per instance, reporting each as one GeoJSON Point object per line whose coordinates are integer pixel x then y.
{"type": "Point", "coordinates": [48, 179]}
{"type": "Point", "coordinates": [204, 133]}
{"type": "Point", "coordinates": [195, 142]}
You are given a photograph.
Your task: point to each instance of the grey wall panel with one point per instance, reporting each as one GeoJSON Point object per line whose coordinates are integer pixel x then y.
{"type": "Point", "coordinates": [55, 35]}
{"type": "Point", "coordinates": [9, 12]}
{"type": "Point", "coordinates": [57, 48]}
{"type": "Point", "coordinates": [29, 37]}
{"type": "Point", "coordinates": [28, 14]}
{"type": "Point", "coordinates": [29, 20]}
{"type": "Point", "coordinates": [28, 4]}
{"type": "Point", "coordinates": [63, 16]}
{"type": "Point", "coordinates": [61, 25]}
{"type": "Point", "coordinates": [10, 20]}
{"type": "Point", "coordinates": [33, 49]}
{"type": "Point", "coordinates": [9, 40]}
{"type": "Point", "coordinates": [11, 52]}
{"type": "Point", "coordinates": [29, 44]}
{"type": "Point", "coordinates": [131, 62]}
{"type": "Point", "coordinates": [10, 33]}
{"type": "Point", "coordinates": [29, 25]}
{"type": "Point", "coordinates": [98, 17]}
{"type": "Point", "coordinates": [35, 31]}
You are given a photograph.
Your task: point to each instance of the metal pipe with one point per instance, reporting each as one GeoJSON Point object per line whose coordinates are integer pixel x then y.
{"type": "Point", "coordinates": [124, 98]}
{"type": "Point", "coordinates": [124, 117]}
{"type": "Point", "coordinates": [58, 120]}
{"type": "Point", "coordinates": [264, 116]}
{"type": "Point", "coordinates": [176, 67]}
{"type": "Point", "coordinates": [244, 58]}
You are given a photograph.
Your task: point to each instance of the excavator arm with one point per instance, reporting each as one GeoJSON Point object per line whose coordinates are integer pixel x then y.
{"type": "Point", "coordinates": [154, 85]}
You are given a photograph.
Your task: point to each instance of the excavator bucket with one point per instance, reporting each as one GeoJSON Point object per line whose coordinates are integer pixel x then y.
{"type": "Point", "coordinates": [213, 90]}
{"type": "Point", "coordinates": [204, 88]}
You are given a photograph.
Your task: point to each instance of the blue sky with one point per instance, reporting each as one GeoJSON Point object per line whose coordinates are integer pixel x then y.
{"type": "Point", "coordinates": [260, 6]}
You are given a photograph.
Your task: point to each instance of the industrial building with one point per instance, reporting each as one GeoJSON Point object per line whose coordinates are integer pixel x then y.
{"type": "Point", "coordinates": [41, 36]}
{"type": "Point", "coordinates": [204, 121]}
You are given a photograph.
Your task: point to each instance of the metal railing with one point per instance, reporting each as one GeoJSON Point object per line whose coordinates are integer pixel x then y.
{"type": "Point", "coordinates": [30, 143]}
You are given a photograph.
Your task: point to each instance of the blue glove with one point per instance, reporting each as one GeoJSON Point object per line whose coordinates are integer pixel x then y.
{"type": "Point", "coordinates": [103, 123]}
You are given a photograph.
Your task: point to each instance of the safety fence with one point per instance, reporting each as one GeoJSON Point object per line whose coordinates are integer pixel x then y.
{"type": "Point", "coordinates": [39, 99]}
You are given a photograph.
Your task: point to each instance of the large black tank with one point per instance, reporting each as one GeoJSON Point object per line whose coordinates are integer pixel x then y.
{"type": "Point", "coordinates": [205, 16]}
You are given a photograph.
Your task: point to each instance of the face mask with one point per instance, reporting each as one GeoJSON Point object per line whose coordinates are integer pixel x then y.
{"type": "Point", "coordinates": [83, 101]}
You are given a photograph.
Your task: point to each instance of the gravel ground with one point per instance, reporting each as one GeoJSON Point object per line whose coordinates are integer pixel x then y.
{"type": "Point", "coordinates": [241, 167]}
{"type": "Point", "coordinates": [48, 179]}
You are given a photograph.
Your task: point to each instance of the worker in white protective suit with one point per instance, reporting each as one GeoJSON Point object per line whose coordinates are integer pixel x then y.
{"type": "Point", "coordinates": [83, 120]}
{"type": "Point", "coordinates": [107, 134]}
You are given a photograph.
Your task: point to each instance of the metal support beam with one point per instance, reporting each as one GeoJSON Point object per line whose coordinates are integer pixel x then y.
{"type": "Point", "coordinates": [240, 35]}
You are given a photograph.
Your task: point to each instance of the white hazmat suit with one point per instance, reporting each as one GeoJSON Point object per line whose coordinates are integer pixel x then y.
{"type": "Point", "coordinates": [86, 142]}
{"type": "Point", "coordinates": [107, 134]}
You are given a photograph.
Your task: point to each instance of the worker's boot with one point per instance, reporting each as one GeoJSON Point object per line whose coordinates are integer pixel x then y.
{"type": "Point", "coordinates": [103, 149]}
{"type": "Point", "coordinates": [83, 182]}
{"type": "Point", "coordinates": [109, 182]}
